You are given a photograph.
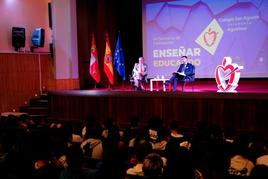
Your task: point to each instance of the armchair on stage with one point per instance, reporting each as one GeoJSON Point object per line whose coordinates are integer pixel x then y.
{"type": "Point", "coordinates": [138, 83]}
{"type": "Point", "coordinates": [185, 74]}
{"type": "Point", "coordinates": [189, 78]}
{"type": "Point", "coordinates": [139, 75]}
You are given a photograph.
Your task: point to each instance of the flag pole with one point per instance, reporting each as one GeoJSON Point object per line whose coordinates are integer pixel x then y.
{"type": "Point", "coordinates": [123, 84]}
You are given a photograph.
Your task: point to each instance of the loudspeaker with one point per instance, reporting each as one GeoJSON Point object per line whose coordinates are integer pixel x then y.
{"type": "Point", "coordinates": [18, 37]}
{"type": "Point", "coordinates": [38, 37]}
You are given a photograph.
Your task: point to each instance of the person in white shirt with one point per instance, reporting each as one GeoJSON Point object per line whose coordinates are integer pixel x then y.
{"type": "Point", "coordinates": [139, 74]}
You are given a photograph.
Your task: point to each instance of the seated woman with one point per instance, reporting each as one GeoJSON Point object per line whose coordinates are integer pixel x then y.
{"type": "Point", "coordinates": [139, 74]}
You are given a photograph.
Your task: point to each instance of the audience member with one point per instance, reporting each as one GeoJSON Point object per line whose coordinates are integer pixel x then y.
{"type": "Point", "coordinates": [153, 166]}
{"type": "Point", "coordinates": [140, 152]}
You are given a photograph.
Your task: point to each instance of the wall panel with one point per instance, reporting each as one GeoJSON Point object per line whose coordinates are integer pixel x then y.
{"type": "Point", "coordinates": [23, 76]}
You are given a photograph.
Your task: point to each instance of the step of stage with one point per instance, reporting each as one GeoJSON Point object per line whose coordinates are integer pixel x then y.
{"type": "Point", "coordinates": [34, 110]}
{"type": "Point", "coordinates": [39, 102]}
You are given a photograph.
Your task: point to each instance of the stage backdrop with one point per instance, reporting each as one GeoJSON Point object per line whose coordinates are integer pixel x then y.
{"type": "Point", "coordinates": [206, 31]}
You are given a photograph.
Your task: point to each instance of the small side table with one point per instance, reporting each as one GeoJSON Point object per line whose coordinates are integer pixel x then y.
{"type": "Point", "coordinates": [163, 80]}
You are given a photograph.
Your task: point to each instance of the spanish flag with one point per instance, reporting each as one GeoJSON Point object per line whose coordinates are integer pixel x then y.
{"type": "Point", "coordinates": [108, 61]}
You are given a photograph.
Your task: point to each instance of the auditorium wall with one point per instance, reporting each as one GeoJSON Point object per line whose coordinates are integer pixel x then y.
{"type": "Point", "coordinates": [28, 14]}
{"type": "Point", "coordinates": [65, 40]}
{"type": "Point", "coordinates": [23, 76]}
{"type": "Point", "coordinates": [26, 74]}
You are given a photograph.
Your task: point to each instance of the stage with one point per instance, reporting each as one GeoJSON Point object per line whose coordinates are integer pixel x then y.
{"type": "Point", "coordinates": [200, 85]}
{"type": "Point", "coordinates": [245, 110]}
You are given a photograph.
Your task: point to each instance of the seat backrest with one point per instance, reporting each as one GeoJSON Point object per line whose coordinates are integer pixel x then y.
{"type": "Point", "coordinates": [145, 78]}
{"type": "Point", "coordinates": [190, 77]}
{"type": "Point", "coordinates": [131, 78]}
{"type": "Point", "coordinates": [193, 75]}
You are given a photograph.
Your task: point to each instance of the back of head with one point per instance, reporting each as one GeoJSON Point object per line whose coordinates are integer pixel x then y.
{"type": "Point", "coordinates": [74, 156]}
{"type": "Point", "coordinates": [152, 165]}
{"type": "Point", "coordinates": [142, 149]}
{"type": "Point", "coordinates": [134, 121]}
{"type": "Point", "coordinates": [155, 122]}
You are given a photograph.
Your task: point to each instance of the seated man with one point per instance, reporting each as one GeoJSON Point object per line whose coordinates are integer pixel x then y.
{"type": "Point", "coordinates": [139, 74]}
{"type": "Point", "coordinates": [185, 71]}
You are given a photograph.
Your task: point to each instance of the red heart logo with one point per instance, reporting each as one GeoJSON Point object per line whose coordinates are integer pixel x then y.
{"type": "Point", "coordinates": [210, 37]}
{"type": "Point", "coordinates": [225, 76]}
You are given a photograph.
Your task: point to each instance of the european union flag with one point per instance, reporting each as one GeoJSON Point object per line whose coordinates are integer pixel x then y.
{"type": "Point", "coordinates": [119, 62]}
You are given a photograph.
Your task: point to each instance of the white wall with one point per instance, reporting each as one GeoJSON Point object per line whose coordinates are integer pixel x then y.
{"type": "Point", "coordinates": [23, 13]}
{"type": "Point", "coordinates": [65, 38]}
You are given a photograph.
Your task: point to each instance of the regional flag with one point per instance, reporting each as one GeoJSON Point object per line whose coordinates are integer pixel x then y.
{"type": "Point", "coordinates": [108, 63]}
{"type": "Point", "coordinates": [119, 62]}
{"type": "Point", "coordinates": [94, 65]}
